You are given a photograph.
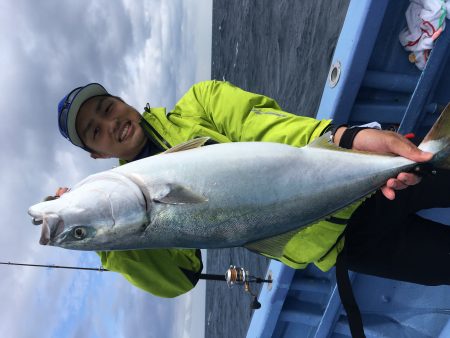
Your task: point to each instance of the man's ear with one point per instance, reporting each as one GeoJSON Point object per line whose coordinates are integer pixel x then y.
{"type": "Point", "coordinates": [98, 155]}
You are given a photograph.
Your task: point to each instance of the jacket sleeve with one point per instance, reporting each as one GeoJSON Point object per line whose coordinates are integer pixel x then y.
{"type": "Point", "coordinates": [244, 116]}
{"type": "Point", "coordinates": [162, 272]}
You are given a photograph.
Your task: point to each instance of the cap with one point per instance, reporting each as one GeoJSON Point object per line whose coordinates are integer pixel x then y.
{"type": "Point", "coordinates": [68, 109]}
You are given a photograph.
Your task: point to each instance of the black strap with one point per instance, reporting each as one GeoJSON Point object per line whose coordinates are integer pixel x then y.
{"type": "Point", "coordinates": [348, 299]}
{"type": "Point", "coordinates": [332, 128]}
{"type": "Point", "coordinates": [348, 136]}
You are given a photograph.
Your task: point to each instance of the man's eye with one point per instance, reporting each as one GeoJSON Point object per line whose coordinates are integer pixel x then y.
{"type": "Point", "coordinates": [108, 109]}
{"type": "Point", "coordinates": [96, 131]}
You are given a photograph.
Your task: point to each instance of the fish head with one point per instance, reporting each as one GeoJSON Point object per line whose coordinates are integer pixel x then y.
{"type": "Point", "coordinates": [101, 211]}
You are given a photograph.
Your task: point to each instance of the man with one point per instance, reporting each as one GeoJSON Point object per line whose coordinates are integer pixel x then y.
{"type": "Point", "coordinates": [105, 126]}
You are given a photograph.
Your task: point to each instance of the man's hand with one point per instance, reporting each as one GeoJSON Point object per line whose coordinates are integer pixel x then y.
{"type": "Point", "coordinates": [381, 141]}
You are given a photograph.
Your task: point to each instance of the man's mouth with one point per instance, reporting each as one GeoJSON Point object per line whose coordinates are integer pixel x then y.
{"type": "Point", "coordinates": [125, 131]}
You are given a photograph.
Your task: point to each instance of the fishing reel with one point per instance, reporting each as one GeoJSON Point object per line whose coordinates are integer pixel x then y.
{"type": "Point", "coordinates": [239, 276]}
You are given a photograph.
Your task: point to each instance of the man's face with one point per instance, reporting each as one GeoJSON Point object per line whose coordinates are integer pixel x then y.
{"type": "Point", "coordinates": [110, 128]}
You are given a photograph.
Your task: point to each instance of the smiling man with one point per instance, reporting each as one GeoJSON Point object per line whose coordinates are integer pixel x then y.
{"type": "Point", "coordinates": [106, 126]}
{"type": "Point", "coordinates": [113, 130]}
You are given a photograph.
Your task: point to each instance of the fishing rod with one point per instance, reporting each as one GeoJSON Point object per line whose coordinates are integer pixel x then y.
{"type": "Point", "coordinates": [233, 276]}
{"type": "Point", "coordinates": [55, 266]}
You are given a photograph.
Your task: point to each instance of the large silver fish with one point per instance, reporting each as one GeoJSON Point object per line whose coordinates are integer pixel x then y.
{"type": "Point", "coordinates": [224, 195]}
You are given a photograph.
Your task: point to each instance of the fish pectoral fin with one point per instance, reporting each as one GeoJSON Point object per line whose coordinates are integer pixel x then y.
{"type": "Point", "coordinates": [177, 194]}
{"type": "Point", "coordinates": [49, 225]}
{"type": "Point", "coordinates": [272, 246]}
{"type": "Point", "coordinates": [191, 144]}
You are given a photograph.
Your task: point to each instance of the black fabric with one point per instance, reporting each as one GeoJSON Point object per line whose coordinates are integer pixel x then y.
{"type": "Point", "coordinates": [348, 136]}
{"type": "Point", "coordinates": [332, 129]}
{"type": "Point", "coordinates": [387, 239]}
{"type": "Point", "coordinates": [348, 299]}
{"type": "Point", "coordinates": [148, 150]}
{"type": "Point", "coordinates": [210, 142]}
{"type": "Point", "coordinates": [337, 220]}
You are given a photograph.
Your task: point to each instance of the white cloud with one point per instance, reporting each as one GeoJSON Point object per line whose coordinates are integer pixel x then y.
{"type": "Point", "coordinates": [142, 50]}
{"type": "Point", "coordinates": [170, 71]}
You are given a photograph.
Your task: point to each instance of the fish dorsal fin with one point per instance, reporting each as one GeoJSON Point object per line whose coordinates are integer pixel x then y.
{"type": "Point", "coordinates": [176, 194]}
{"type": "Point", "coordinates": [191, 144]}
{"type": "Point", "coordinates": [272, 246]}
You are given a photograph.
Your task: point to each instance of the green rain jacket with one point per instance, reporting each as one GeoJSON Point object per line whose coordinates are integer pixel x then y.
{"type": "Point", "coordinates": [226, 113]}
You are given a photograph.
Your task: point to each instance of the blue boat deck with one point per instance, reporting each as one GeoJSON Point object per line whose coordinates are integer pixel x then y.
{"type": "Point", "coordinates": [370, 79]}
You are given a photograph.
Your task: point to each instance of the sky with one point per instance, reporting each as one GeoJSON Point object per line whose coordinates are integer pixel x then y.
{"type": "Point", "coordinates": [144, 51]}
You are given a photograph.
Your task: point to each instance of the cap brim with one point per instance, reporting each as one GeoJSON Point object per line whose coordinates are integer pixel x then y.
{"type": "Point", "coordinates": [87, 92]}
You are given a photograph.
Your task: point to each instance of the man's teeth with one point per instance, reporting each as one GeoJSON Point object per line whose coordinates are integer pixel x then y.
{"type": "Point", "coordinates": [124, 132]}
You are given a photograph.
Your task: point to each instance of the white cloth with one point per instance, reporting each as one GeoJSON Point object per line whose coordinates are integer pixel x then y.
{"type": "Point", "coordinates": [373, 125]}
{"type": "Point", "coordinates": [425, 21]}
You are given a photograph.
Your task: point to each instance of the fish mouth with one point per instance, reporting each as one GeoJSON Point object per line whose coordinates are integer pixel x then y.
{"type": "Point", "coordinates": [45, 234]}
{"type": "Point", "coordinates": [52, 226]}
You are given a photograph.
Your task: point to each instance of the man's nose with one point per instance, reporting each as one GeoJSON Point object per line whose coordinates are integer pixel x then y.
{"type": "Point", "coordinates": [111, 125]}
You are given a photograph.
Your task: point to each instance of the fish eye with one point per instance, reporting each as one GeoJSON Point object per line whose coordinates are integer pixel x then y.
{"type": "Point", "coordinates": [79, 232]}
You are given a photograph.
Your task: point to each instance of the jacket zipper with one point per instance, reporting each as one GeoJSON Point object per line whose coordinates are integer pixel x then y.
{"type": "Point", "coordinates": [157, 136]}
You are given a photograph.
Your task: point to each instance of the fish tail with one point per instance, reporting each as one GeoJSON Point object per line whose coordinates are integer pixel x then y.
{"type": "Point", "coordinates": [437, 141]}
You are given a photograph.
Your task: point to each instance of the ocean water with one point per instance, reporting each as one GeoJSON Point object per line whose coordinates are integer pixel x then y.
{"type": "Point", "coordinates": [281, 49]}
